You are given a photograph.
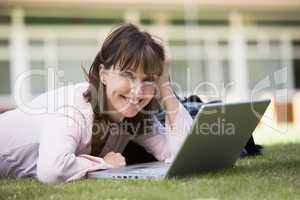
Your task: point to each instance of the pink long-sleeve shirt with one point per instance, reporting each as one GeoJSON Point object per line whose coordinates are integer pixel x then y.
{"type": "Point", "coordinates": [50, 137]}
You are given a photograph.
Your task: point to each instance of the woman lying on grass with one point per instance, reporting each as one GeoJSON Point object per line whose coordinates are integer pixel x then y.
{"type": "Point", "coordinates": [88, 125]}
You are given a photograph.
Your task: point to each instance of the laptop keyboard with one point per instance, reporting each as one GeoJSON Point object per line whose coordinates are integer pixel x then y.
{"type": "Point", "coordinates": [159, 170]}
{"type": "Point", "coordinates": [140, 171]}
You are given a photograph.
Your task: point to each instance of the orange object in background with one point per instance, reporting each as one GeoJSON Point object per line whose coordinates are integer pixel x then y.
{"type": "Point", "coordinates": [284, 112]}
{"type": "Point", "coordinates": [296, 109]}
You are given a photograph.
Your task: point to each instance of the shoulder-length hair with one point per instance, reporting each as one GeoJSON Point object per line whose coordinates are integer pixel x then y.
{"type": "Point", "coordinates": [128, 48]}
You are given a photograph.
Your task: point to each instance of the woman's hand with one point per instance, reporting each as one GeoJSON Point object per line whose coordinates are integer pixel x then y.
{"type": "Point", "coordinates": [115, 159]}
{"type": "Point", "coordinates": [167, 96]}
{"type": "Point", "coordinates": [164, 79]}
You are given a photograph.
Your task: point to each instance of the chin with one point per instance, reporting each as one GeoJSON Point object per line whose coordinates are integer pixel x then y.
{"type": "Point", "coordinates": [130, 113]}
{"type": "Point", "coordinates": [129, 110]}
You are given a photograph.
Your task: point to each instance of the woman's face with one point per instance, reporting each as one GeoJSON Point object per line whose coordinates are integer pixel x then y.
{"type": "Point", "coordinates": [127, 92]}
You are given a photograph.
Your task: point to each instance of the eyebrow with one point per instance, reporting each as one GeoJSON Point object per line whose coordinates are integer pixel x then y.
{"type": "Point", "coordinates": [145, 77]}
{"type": "Point", "coordinates": [149, 78]}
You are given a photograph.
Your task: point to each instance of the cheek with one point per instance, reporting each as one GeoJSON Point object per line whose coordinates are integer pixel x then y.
{"type": "Point", "coordinates": [151, 93]}
{"type": "Point", "coordinates": [148, 97]}
{"type": "Point", "coordinates": [117, 87]}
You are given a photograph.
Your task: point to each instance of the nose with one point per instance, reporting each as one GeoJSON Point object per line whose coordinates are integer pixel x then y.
{"type": "Point", "coordinates": [136, 91]}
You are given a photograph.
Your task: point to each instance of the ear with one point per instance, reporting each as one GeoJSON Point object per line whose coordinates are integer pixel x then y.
{"type": "Point", "coordinates": [102, 74]}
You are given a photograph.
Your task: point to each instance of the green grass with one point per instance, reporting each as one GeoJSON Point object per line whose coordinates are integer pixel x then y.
{"type": "Point", "coordinates": [276, 175]}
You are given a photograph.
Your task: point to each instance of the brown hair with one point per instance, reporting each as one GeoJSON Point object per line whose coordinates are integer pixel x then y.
{"type": "Point", "coordinates": [128, 48]}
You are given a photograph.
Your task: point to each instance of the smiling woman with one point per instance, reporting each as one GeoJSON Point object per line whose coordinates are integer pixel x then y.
{"type": "Point", "coordinates": [129, 95]}
{"type": "Point", "coordinates": [90, 128]}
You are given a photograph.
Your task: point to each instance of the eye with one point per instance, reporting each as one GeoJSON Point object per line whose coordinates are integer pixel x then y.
{"type": "Point", "coordinates": [149, 79]}
{"type": "Point", "coordinates": [128, 75]}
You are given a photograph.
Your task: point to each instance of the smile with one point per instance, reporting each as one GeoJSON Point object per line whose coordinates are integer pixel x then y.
{"type": "Point", "coordinates": [132, 101]}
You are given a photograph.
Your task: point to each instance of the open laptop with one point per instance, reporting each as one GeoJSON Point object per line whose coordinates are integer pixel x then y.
{"type": "Point", "coordinates": [219, 133]}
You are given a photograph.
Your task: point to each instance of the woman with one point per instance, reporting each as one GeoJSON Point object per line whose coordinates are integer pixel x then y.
{"type": "Point", "coordinates": [86, 126]}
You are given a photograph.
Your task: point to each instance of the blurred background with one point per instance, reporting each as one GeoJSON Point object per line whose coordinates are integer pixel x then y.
{"type": "Point", "coordinates": [230, 50]}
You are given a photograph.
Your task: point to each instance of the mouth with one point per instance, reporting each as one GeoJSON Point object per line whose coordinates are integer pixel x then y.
{"type": "Point", "coordinates": [131, 101]}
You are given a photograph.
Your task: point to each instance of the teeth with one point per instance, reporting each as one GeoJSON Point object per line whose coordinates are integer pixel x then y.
{"type": "Point", "coordinates": [132, 101]}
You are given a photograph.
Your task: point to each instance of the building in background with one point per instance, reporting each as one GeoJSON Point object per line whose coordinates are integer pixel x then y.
{"type": "Point", "coordinates": [223, 49]}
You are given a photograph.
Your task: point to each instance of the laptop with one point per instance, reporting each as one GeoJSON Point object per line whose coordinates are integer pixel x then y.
{"type": "Point", "coordinates": [219, 133]}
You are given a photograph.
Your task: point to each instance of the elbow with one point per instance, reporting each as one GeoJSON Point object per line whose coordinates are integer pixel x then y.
{"type": "Point", "coordinates": [166, 157]}
{"type": "Point", "coordinates": [165, 153]}
{"type": "Point", "coordinates": [169, 151]}
{"type": "Point", "coordinates": [49, 175]}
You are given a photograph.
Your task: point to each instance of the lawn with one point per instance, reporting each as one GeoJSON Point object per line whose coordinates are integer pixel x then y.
{"type": "Point", "coordinates": [276, 175]}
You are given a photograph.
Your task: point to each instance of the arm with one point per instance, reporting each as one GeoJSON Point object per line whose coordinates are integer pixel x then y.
{"type": "Point", "coordinates": [57, 161]}
{"type": "Point", "coordinates": [169, 101]}
{"type": "Point", "coordinates": [164, 142]}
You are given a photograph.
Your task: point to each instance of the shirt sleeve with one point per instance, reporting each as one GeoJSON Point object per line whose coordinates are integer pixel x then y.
{"type": "Point", "coordinates": [57, 161]}
{"type": "Point", "coordinates": [164, 142]}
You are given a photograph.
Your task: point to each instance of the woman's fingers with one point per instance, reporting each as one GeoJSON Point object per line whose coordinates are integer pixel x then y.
{"type": "Point", "coordinates": [115, 159]}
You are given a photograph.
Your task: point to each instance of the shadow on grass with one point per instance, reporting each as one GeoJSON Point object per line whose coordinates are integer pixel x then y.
{"type": "Point", "coordinates": [280, 164]}
{"type": "Point", "coordinates": [276, 157]}
{"type": "Point", "coordinates": [282, 159]}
